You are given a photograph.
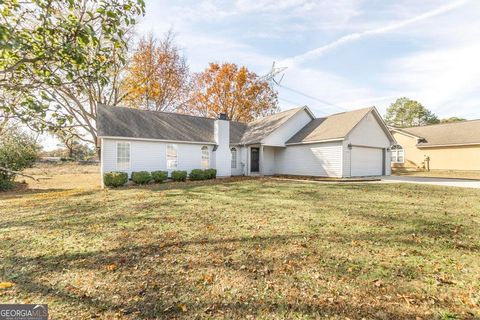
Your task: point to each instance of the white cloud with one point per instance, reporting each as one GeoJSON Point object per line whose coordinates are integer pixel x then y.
{"type": "Point", "coordinates": [445, 80]}
{"type": "Point", "coordinates": [202, 49]}
{"type": "Point", "coordinates": [298, 59]}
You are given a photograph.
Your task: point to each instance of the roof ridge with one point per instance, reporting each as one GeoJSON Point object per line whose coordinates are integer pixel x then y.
{"type": "Point", "coordinates": [277, 113]}
{"type": "Point", "coordinates": [157, 111]}
{"type": "Point", "coordinates": [440, 124]}
{"type": "Point", "coordinates": [354, 110]}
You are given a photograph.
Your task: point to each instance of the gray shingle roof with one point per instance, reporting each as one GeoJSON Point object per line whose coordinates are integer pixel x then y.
{"type": "Point", "coordinates": [336, 126]}
{"type": "Point", "coordinates": [237, 130]}
{"type": "Point", "coordinates": [261, 128]}
{"type": "Point", "coordinates": [456, 133]}
{"type": "Point", "coordinates": [135, 123]}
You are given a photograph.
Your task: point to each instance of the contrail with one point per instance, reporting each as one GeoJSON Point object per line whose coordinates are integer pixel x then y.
{"type": "Point", "coordinates": [359, 35]}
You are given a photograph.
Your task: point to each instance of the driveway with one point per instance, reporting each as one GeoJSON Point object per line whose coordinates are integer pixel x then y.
{"type": "Point", "coordinates": [434, 181]}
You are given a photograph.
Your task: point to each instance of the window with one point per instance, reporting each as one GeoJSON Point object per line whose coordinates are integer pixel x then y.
{"type": "Point", "coordinates": [234, 158]}
{"type": "Point", "coordinates": [398, 154]}
{"type": "Point", "coordinates": [172, 161]}
{"type": "Point", "coordinates": [123, 155]}
{"type": "Point", "coordinates": [205, 158]}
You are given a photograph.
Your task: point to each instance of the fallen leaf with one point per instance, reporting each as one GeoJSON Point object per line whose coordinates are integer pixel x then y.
{"type": "Point", "coordinates": [111, 267]}
{"type": "Point", "coordinates": [182, 307]}
{"type": "Point", "coordinates": [207, 279]}
{"type": "Point", "coordinates": [6, 285]}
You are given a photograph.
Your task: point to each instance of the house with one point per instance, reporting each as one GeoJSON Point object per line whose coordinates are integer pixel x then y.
{"type": "Point", "coordinates": [291, 142]}
{"type": "Point", "coordinates": [449, 146]}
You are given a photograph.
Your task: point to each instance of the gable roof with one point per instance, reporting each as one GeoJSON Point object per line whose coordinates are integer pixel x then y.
{"type": "Point", "coordinates": [156, 125]}
{"type": "Point", "coordinates": [456, 133]}
{"type": "Point", "coordinates": [144, 124]}
{"type": "Point", "coordinates": [334, 127]}
{"type": "Point", "coordinates": [259, 129]}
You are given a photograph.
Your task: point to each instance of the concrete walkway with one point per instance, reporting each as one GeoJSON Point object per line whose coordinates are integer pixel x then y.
{"type": "Point", "coordinates": [433, 181]}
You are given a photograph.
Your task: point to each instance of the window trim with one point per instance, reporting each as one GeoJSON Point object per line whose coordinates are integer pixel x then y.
{"type": "Point", "coordinates": [202, 149]}
{"type": "Point", "coordinates": [233, 163]}
{"type": "Point", "coordinates": [396, 151]}
{"type": "Point", "coordinates": [176, 155]}
{"type": "Point", "coordinates": [129, 155]}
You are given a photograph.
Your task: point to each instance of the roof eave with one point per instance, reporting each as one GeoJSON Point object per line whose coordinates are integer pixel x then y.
{"type": "Point", "coordinates": [447, 145]}
{"type": "Point", "coordinates": [315, 141]}
{"type": "Point", "coordinates": [405, 133]}
{"type": "Point", "coordinates": [156, 140]}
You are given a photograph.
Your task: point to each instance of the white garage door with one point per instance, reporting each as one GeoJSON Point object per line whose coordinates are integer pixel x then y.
{"type": "Point", "coordinates": [366, 162]}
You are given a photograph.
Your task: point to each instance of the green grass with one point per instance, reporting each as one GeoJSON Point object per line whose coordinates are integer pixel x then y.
{"type": "Point", "coordinates": [264, 249]}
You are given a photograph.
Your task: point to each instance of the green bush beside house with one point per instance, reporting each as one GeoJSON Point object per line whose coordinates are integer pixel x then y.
{"type": "Point", "coordinates": [141, 177]}
{"type": "Point", "coordinates": [159, 176]}
{"type": "Point", "coordinates": [115, 179]}
{"type": "Point", "coordinates": [179, 175]}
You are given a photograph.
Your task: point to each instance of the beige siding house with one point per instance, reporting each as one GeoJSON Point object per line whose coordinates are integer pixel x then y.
{"type": "Point", "coordinates": [451, 146]}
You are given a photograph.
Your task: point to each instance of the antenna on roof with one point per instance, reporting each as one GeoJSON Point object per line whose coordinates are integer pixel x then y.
{"type": "Point", "coordinates": [274, 71]}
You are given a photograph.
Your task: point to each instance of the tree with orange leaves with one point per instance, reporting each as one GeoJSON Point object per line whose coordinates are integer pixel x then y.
{"type": "Point", "coordinates": [226, 88]}
{"type": "Point", "coordinates": [157, 77]}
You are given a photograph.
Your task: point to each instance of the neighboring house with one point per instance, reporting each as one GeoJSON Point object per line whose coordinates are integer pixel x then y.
{"type": "Point", "coordinates": [292, 142]}
{"type": "Point", "coordinates": [449, 146]}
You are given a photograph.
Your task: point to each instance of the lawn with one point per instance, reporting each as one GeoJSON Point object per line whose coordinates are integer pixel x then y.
{"type": "Point", "coordinates": [244, 248]}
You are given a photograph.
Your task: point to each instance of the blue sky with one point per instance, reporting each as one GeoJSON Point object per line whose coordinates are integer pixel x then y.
{"type": "Point", "coordinates": [350, 53]}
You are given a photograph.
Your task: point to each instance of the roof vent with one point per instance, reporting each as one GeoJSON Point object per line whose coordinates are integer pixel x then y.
{"type": "Point", "coordinates": [222, 116]}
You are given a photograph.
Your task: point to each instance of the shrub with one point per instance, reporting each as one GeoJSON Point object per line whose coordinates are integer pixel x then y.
{"type": "Point", "coordinates": [179, 175]}
{"type": "Point", "coordinates": [197, 174]}
{"type": "Point", "coordinates": [18, 151]}
{"type": "Point", "coordinates": [115, 179]}
{"type": "Point", "coordinates": [5, 184]}
{"type": "Point", "coordinates": [210, 173]}
{"type": "Point", "coordinates": [159, 176]}
{"type": "Point", "coordinates": [141, 177]}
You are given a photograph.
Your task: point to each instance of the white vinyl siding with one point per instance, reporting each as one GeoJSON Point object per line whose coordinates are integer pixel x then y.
{"type": "Point", "coordinates": [268, 161]}
{"type": "Point", "coordinates": [151, 156]}
{"type": "Point", "coordinates": [172, 156]}
{"type": "Point", "coordinates": [288, 129]}
{"type": "Point", "coordinates": [316, 159]}
{"type": "Point", "coordinates": [368, 132]}
{"type": "Point", "coordinates": [123, 156]}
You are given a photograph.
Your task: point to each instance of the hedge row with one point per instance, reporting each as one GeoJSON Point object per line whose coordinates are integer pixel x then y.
{"type": "Point", "coordinates": [117, 179]}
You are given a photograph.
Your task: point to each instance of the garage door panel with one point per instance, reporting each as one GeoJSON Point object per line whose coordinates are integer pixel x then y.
{"type": "Point", "coordinates": [367, 161]}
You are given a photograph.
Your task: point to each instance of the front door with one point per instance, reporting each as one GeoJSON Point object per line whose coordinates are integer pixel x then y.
{"type": "Point", "coordinates": [254, 159]}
